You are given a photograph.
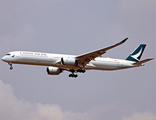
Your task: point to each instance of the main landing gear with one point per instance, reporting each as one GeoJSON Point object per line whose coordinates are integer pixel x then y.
{"type": "Point", "coordinates": [73, 75]}
{"type": "Point", "coordinates": [10, 66]}
{"type": "Point", "coordinates": [81, 71]}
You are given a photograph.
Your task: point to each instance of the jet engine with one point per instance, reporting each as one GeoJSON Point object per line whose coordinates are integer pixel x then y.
{"type": "Point", "coordinates": [53, 71]}
{"type": "Point", "coordinates": [68, 61]}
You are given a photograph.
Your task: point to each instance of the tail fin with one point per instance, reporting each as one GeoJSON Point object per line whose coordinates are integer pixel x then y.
{"type": "Point", "coordinates": [136, 55]}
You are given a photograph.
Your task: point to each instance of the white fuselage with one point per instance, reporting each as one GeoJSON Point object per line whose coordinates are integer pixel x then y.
{"type": "Point", "coordinates": [48, 59]}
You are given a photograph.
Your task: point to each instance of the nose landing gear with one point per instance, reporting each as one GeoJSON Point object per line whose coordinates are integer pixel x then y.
{"type": "Point", "coordinates": [10, 66]}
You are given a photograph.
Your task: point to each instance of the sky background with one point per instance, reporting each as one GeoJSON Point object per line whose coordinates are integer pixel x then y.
{"type": "Point", "coordinates": [76, 27]}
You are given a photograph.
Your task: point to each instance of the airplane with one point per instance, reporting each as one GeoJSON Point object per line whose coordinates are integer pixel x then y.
{"type": "Point", "coordinates": [57, 63]}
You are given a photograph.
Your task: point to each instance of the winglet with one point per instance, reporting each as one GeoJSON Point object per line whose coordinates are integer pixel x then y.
{"type": "Point", "coordinates": [124, 40]}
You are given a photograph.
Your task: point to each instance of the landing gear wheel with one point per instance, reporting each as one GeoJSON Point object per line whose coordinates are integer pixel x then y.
{"type": "Point", "coordinates": [83, 71]}
{"type": "Point", "coordinates": [70, 75]}
{"type": "Point", "coordinates": [73, 75]}
{"type": "Point", "coordinates": [11, 68]}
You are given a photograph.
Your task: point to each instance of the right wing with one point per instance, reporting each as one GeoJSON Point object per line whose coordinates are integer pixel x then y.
{"type": "Point", "coordinates": [84, 59]}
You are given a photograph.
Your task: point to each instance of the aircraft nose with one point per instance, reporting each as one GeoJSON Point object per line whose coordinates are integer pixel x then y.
{"type": "Point", "coordinates": [4, 58]}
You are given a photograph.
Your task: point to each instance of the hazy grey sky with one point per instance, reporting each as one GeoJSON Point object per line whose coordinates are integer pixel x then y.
{"type": "Point", "coordinates": [76, 27]}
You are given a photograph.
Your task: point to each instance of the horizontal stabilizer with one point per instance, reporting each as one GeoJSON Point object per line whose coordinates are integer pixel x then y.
{"type": "Point", "coordinates": [142, 61]}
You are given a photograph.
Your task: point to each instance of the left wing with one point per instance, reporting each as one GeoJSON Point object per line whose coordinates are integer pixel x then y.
{"type": "Point", "coordinates": [84, 59]}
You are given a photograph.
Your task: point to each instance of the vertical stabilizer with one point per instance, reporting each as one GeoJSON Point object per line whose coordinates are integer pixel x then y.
{"type": "Point", "coordinates": [136, 55]}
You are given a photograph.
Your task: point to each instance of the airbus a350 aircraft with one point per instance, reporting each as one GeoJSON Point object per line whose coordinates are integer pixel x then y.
{"type": "Point", "coordinates": [76, 63]}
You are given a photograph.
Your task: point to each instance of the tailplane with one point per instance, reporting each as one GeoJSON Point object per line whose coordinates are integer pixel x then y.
{"type": "Point", "coordinates": [142, 62]}
{"type": "Point", "coordinates": [136, 55]}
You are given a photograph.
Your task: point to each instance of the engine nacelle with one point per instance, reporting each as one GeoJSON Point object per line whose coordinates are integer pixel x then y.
{"type": "Point", "coordinates": [68, 61]}
{"type": "Point", "coordinates": [53, 71]}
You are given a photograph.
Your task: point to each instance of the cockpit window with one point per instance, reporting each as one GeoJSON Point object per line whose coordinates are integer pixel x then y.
{"type": "Point", "coordinates": [8, 54]}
